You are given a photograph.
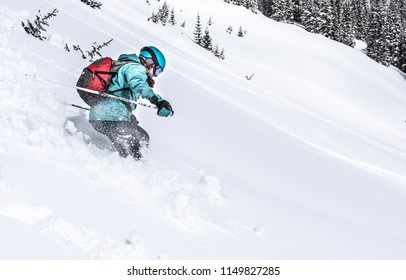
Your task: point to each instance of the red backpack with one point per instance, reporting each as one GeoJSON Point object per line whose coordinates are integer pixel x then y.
{"type": "Point", "coordinates": [97, 77]}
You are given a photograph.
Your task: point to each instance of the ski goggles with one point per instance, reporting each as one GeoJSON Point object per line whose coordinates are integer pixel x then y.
{"type": "Point", "coordinates": [150, 64]}
{"type": "Point", "coordinates": [157, 70]}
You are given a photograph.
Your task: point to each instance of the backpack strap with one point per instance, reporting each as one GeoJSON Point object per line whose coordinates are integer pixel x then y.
{"type": "Point", "coordinates": [118, 63]}
{"type": "Point", "coordinates": [98, 73]}
{"type": "Point", "coordinates": [114, 69]}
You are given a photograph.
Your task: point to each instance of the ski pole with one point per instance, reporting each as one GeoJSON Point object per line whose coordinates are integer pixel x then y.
{"type": "Point", "coordinates": [83, 108]}
{"type": "Point", "coordinates": [80, 107]}
{"type": "Point", "coordinates": [105, 94]}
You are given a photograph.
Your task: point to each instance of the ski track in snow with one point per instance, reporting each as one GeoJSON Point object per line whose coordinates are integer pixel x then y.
{"type": "Point", "coordinates": [289, 108]}
{"type": "Point", "coordinates": [277, 100]}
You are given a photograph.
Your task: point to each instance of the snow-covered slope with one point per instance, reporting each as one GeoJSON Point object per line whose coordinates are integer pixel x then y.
{"type": "Point", "coordinates": [305, 160]}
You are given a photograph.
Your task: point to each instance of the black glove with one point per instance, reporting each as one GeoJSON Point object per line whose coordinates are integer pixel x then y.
{"type": "Point", "coordinates": [164, 107]}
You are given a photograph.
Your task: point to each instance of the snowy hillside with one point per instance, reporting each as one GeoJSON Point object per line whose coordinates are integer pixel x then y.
{"type": "Point", "coordinates": [307, 160]}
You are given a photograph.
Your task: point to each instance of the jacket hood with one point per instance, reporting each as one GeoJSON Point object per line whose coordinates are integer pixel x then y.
{"type": "Point", "coordinates": [131, 57]}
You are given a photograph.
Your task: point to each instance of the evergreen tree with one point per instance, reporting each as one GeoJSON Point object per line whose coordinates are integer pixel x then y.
{"type": "Point", "coordinates": [374, 39]}
{"type": "Point", "coordinates": [383, 44]}
{"type": "Point", "coordinates": [326, 24]}
{"type": "Point", "coordinates": [298, 8]}
{"type": "Point", "coordinates": [222, 54]}
{"type": "Point", "coordinates": [278, 10]}
{"type": "Point", "coordinates": [309, 16]}
{"type": "Point", "coordinates": [251, 5]}
{"type": "Point", "coordinates": [392, 34]}
{"type": "Point", "coordinates": [402, 52]}
{"type": "Point", "coordinates": [255, 5]}
{"type": "Point", "coordinates": [93, 4]}
{"type": "Point", "coordinates": [198, 31]}
{"type": "Point", "coordinates": [360, 18]}
{"type": "Point", "coordinates": [206, 40]}
{"type": "Point", "coordinates": [216, 50]}
{"type": "Point", "coordinates": [345, 33]}
{"type": "Point", "coordinates": [240, 33]}
{"type": "Point", "coordinates": [163, 13]}
{"type": "Point", "coordinates": [402, 10]}
{"type": "Point", "coordinates": [172, 19]}
{"type": "Point", "coordinates": [317, 17]}
{"type": "Point", "coordinates": [283, 10]}
{"type": "Point", "coordinates": [289, 11]}
{"type": "Point", "coordinates": [35, 29]}
{"type": "Point", "coordinates": [154, 17]}
{"type": "Point", "coordinates": [266, 7]}
{"type": "Point", "coordinates": [246, 3]}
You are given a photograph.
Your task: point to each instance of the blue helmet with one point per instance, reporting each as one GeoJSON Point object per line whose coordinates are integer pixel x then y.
{"type": "Point", "coordinates": [157, 57]}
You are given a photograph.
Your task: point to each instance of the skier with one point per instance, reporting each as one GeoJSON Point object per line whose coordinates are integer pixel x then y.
{"type": "Point", "coordinates": [114, 118]}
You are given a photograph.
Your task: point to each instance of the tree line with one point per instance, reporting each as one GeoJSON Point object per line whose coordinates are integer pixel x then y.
{"type": "Point", "coordinates": [381, 24]}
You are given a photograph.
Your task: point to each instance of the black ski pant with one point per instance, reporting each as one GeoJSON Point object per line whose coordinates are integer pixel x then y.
{"type": "Point", "coordinates": [126, 137]}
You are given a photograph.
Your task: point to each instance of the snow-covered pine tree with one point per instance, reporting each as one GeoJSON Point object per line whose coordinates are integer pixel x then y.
{"type": "Point", "coordinates": [298, 7]}
{"type": "Point", "coordinates": [251, 5]}
{"type": "Point", "coordinates": [345, 33]}
{"type": "Point", "coordinates": [360, 18]}
{"type": "Point", "coordinates": [39, 24]}
{"type": "Point", "coordinates": [283, 10]}
{"type": "Point", "coordinates": [206, 40]}
{"type": "Point", "coordinates": [154, 17]}
{"type": "Point", "coordinates": [317, 16]}
{"type": "Point", "coordinates": [92, 4]}
{"type": "Point", "coordinates": [392, 33]}
{"type": "Point", "coordinates": [290, 11]}
{"type": "Point", "coordinates": [96, 48]}
{"type": "Point", "coordinates": [222, 54]}
{"type": "Point", "coordinates": [198, 31]}
{"type": "Point", "coordinates": [240, 33]}
{"type": "Point", "coordinates": [266, 7]}
{"type": "Point", "coordinates": [172, 19]}
{"type": "Point", "coordinates": [402, 52]}
{"type": "Point", "coordinates": [163, 13]}
{"type": "Point", "coordinates": [326, 24]}
{"type": "Point", "coordinates": [384, 42]}
{"type": "Point", "coordinates": [402, 11]}
{"type": "Point", "coordinates": [310, 13]}
{"type": "Point", "coordinates": [375, 43]}
{"type": "Point", "coordinates": [216, 50]}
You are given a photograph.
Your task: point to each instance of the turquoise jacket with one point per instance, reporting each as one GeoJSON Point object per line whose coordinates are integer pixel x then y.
{"type": "Point", "coordinates": [132, 77]}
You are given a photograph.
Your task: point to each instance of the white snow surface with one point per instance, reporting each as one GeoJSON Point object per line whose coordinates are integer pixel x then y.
{"type": "Point", "coordinates": [307, 160]}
